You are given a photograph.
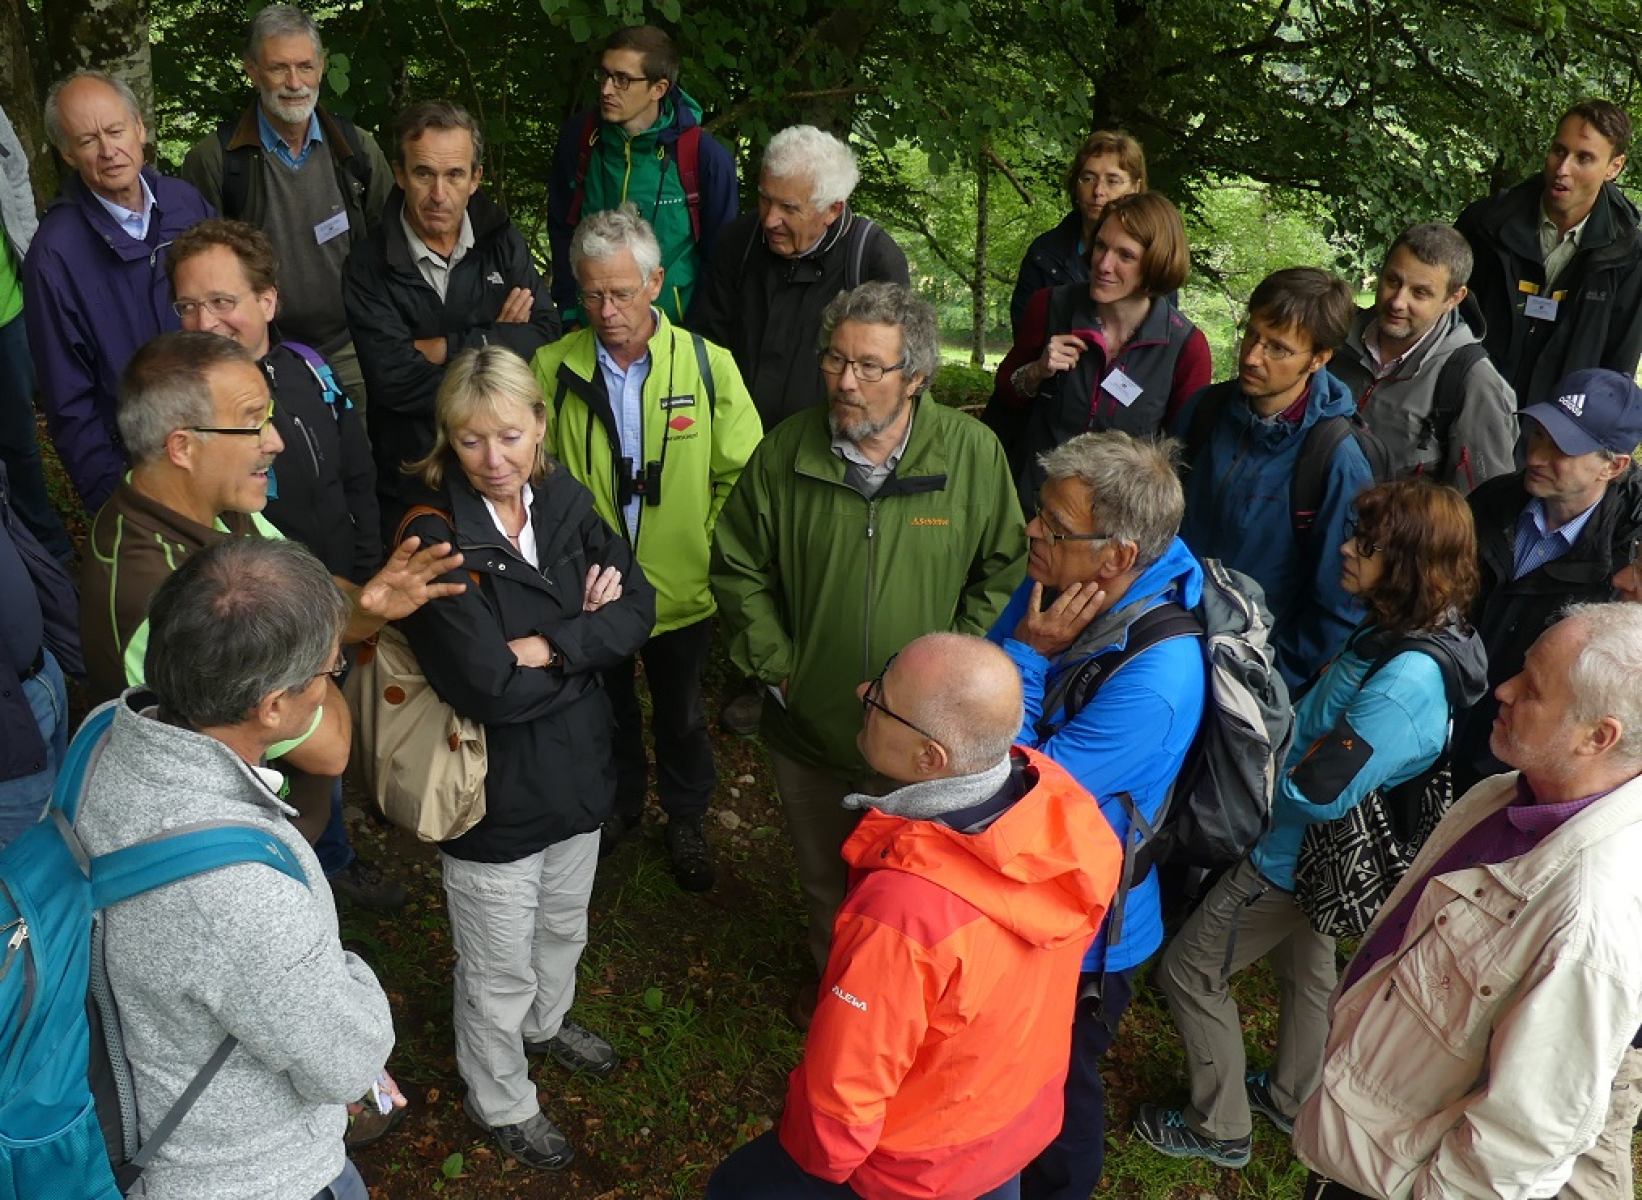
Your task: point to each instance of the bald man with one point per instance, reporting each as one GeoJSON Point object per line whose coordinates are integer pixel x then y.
{"type": "Point", "coordinates": [977, 885]}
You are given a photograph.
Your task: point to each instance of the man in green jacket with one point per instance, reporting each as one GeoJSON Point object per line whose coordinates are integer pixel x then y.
{"type": "Point", "coordinates": [655, 421]}
{"type": "Point", "coordinates": [856, 527]}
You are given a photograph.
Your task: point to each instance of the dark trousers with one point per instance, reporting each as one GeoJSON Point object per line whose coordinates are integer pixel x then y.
{"type": "Point", "coordinates": [762, 1170]}
{"type": "Point", "coordinates": [1070, 1166]}
{"type": "Point", "coordinates": [1319, 1188]}
{"type": "Point", "coordinates": [685, 776]}
{"type": "Point", "coordinates": [20, 443]}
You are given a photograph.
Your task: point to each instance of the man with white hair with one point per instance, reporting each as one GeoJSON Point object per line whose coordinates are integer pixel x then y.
{"type": "Point", "coordinates": [773, 271]}
{"type": "Point", "coordinates": [1475, 1038]}
{"type": "Point", "coordinates": [654, 420]}
{"type": "Point", "coordinates": [312, 181]}
{"type": "Point", "coordinates": [94, 286]}
{"type": "Point", "coordinates": [935, 1062]}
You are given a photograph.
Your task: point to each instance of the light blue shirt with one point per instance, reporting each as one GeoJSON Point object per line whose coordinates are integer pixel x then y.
{"type": "Point", "coordinates": [275, 145]}
{"type": "Point", "coordinates": [626, 392]}
{"type": "Point", "coordinates": [1537, 545]}
{"type": "Point", "coordinates": [134, 223]}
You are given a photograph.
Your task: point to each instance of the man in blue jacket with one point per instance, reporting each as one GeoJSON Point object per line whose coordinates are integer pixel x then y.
{"type": "Point", "coordinates": [94, 282]}
{"type": "Point", "coordinates": [643, 144]}
{"type": "Point", "coordinates": [1243, 440]}
{"type": "Point", "coordinates": [1104, 551]}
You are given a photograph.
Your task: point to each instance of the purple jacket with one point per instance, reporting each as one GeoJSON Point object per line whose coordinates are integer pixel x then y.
{"type": "Point", "coordinates": [92, 294]}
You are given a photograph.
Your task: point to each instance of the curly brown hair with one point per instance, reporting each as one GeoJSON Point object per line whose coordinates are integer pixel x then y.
{"type": "Point", "coordinates": [1429, 543]}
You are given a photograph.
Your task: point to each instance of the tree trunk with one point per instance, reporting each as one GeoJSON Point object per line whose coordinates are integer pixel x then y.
{"type": "Point", "coordinates": [20, 93]}
{"type": "Point", "coordinates": [110, 35]}
{"type": "Point", "coordinates": [977, 281]}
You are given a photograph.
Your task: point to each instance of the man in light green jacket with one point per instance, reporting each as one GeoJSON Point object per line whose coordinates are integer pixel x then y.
{"type": "Point", "coordinates": [655, 421]}
{"type": "Point", "coordinates": [857, 526]}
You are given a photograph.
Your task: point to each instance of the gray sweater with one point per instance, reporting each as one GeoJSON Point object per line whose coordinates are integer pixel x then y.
{"type": "Point", "coordinates": [17, 214]}
{"type": "Point", "coordinates": [243, 950]}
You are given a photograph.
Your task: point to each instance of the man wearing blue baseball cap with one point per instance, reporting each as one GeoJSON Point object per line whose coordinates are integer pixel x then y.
{"type": "Point", "coordinates": [1552, 534]}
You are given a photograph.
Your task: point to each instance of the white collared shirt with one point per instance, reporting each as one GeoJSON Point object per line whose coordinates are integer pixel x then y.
{"type": "Point", "coordinates": [134, 223]}
{"type": "Point", "coordinates": [527, 535]}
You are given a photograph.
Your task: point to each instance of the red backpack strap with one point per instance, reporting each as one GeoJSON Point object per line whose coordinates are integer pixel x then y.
{"type": "Point", "coordinates": [689, 175]}
{"type": "Point", "coordinates": [422, 510]}
{"type": "Point", "coordinates": [584, 159]}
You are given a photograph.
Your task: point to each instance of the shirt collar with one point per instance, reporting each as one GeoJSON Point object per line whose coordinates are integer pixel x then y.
{"type": "Point", "coordinates": [1550, 236]}
{"type": "Point", "coordinates": [850, 452]}
{"type": "Point", "coordinates": [610, 364]}
{"type": "Point", "coordinates": [134, 223]}
{"type": "Point", "coordinates": [1569, 531]}
{"type": "Point", "coordinates": [273, 143]}
{"type": "Point", "coordinates": [1529, 817]}
{"type": "Point", "coordinates": [1371, 340]}
{"type": "Point", "coordinates": [419, 249]}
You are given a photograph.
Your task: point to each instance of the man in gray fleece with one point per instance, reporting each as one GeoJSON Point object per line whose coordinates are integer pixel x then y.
{"type": "Point", "coordinates": [243, 637]}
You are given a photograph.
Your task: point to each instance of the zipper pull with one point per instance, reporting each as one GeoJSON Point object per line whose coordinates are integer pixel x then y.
{"type": "Point", "coordinates": [20, 934]}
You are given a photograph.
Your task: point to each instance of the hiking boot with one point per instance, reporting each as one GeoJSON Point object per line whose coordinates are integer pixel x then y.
{"type": "Point", "coordinates": [363, 883]}
{"type": "Point", "coordinates": [369, 1126]}
{"type": "Point", "coordinates": [1165, 1130]}
{"type": "Point", "coordinates": [537, 1142]}
{"type": "Point", "coordinates": [691, 857]}
{"type": "Point", "coordinates": [578, 1051]}
{"type": "Point", "coordinates": [742, 714]}
{"type": "Point", "coordinates": [1260, 1101]}
{"type": "Point", "coordinates": [615, 830]}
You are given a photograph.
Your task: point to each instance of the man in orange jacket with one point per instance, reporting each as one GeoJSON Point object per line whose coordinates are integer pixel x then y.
{"type": "Point", "coordinates": [935, 1065]}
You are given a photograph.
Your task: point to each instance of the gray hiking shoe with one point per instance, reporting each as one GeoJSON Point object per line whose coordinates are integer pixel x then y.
{"type": "Point", "coordinates": [1166, 1131]}
{"type": "Point", "coordinates": [537, 1143]}
{"type": "Point", "coordinates": [578, 1051]}
{"type": "Point", "coordinates": [1259, 1090]}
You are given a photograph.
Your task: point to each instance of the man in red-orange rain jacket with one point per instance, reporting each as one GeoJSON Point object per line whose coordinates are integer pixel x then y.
{"type": "Point", "coordinates": [935, 1065]}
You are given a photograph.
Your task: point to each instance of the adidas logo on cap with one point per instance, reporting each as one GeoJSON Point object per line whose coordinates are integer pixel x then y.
{"type": "Point", "coordinates": [1575, 403]}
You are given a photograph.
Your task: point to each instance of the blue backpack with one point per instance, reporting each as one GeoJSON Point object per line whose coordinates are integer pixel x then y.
{"type": "Point", "coordinates": [68, 1114]}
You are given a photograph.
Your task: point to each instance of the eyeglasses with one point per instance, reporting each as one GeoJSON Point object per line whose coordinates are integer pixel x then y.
{"type": "Point", "coordinates": [1274, 351]}
{"type": "Point", "coordinates": [833, 363]}
{"type": "Point", "coordinates": [594, 301]}
{"type": "Point", "coordinates": [1365, 548]}
{"type": "Point", "coordinates": [619, 80]}
{"type": "Point", "coordinates": [335, 673]}
{"type": "Point", "coordinates": [255, 431]}
{"type": "Point", "coordinates": [1052, 535]}
{"type": "Point", "coordinates": [219, 305]}
{"type": "Point", "coordinates": [873, 698]}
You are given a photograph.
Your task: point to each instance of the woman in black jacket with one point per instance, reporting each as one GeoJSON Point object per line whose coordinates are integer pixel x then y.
{"type": "Point", "coordinates": [555, 598]}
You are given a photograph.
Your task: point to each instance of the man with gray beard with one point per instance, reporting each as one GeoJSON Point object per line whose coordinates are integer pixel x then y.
{"type": "Point", "coordinates": [313, 182]}
{"type": "Point", "coordinates": [856, 527]}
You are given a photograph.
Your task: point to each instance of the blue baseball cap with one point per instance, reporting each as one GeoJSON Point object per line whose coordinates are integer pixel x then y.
{"type": "Point", "coordinates": [1594, 409]}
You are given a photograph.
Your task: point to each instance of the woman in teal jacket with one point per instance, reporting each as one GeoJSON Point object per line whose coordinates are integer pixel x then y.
{"type": "Point", "coordinates": [1410, 557]}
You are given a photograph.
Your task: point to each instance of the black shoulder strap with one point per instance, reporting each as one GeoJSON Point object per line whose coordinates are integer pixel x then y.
{"type": "Point", "coordinates": [702, 365]}
{"type": "Point", "coordinates": [1449, 396]}
{"type": "Point", "coordinates": [858, 252]}
{"type": "Point", "coordinates": [356, 163]}
{"type": "Point", "coordinates": [1311, 470]}
{"type": "Point", "coordinates": [1163, 623]}
{"type": "Point", "coordinates": [1209, 407]}
{"type": "Point", "coordinates": [1432, 649]}
{"type": "Point", "coordinates": [236, 175]}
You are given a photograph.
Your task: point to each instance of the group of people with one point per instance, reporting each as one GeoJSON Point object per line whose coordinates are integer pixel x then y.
{"type": "Point", "coordinates": [306, 392]}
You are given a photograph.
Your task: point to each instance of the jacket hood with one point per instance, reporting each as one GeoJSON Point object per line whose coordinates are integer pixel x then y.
{"type": "Point", "coordinates": [1328, 397]}
{"type": "Point", "coordinates": [1514, 216]}
{"type": "Point", "coordinates": [1045, 869]}
{"type": "Point", "coordinates": [1460, 327]}
{"type": "Point", "coordinates": [1456, 645]}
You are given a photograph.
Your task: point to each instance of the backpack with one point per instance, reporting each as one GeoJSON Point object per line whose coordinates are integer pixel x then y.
{"type": "Point", "coordinates": [330, 389]}
{"type": "Point", "coordinates": [1220, 803]}
{"type": "Point", "coordinates": [1449, 396]}
{"type": "Point", "coordinates": [860, 232]}
{"type": "Point", "coordinates": [236, 166]}
{"type": "Point", "coordinates": [1310, 480]}
{"type": "Point", "coordinates": [68, 1116]}
{"type": "Point", "coordinates": [685, 152]}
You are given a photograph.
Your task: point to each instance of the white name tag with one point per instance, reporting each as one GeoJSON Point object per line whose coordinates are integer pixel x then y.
{"type": "Point", "coordinates": [332, 226]}
{"type": "Point", "coordinates": [1541, 308]}
{"type": "Point", "coordinates": [1120, 387]}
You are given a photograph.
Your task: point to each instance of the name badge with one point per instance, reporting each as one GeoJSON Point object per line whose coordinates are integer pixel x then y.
{"type": "Point", "coordinates": [1120, 387]}
{"type": "Point", "coordinates": [332, 226]}
{"type": "Point", "coordinates": [1541, 308]}
{"type": "Point", "coordinates": [669, 403]}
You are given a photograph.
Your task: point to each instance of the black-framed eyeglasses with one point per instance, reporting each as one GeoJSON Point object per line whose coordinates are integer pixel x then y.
{"type": "Point", "coordinates": [255, 431]}
{"type": "Point", "coordinates": [833, 363]}
{"type": "Point", "coordinates": [620, 80]}
{"type": "Point", "coordinates": [1052, 535]}
{"type": "Point", "coordinates": [1365, 548]}
{"type": "Point", "coordinates": [873, 698]}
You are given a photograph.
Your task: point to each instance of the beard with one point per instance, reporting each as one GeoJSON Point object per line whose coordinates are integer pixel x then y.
{"type": "Point", "coordinates": [852, 422]}
{"type": "Point", "coordinates": [294, 112]}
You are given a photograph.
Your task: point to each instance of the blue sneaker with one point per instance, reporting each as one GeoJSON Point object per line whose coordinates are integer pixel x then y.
{"type": "Point", "coordinates": [1165, 1130]}
{"type": "Point", "coordinates": [1259, 1090]}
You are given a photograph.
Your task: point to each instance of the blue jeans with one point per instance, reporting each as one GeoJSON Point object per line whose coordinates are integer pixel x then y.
{"type": "Point", "coordinates": [23, 800]}
{"type": "Point", "coordinates": [333, 849]}
{"type": "Point", "coordinates": [20, 443]}
{"type": "Point", "coordinates": [762, 1170]}
{"type": "Point", "coordinates": [346, 1186]}
{"type": "Point", "coordinates": [1070, 1166]}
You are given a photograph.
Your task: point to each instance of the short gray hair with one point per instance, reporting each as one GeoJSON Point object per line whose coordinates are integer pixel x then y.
{"type": "Point", "coordinates": [1604, 674]}
{"type": "Point", "coordinates": [54, 101]}
{"type": "Point", "coordinates": [167, 386]}
{"type": "Point", "coordinates": [1134, 486]}
{"type": "Point", "coordinates": [978, 715]}
{"type": "Point", "coordinates": [606, 234]}
{"type": "Point", "coordinates": [880, 303]}
{"type": "Point", "coordinates": [237, 622]}
{"type": "Point", "coordinates": [826, 161]}
{"type": "Point", "coordinates": [281, 20]}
